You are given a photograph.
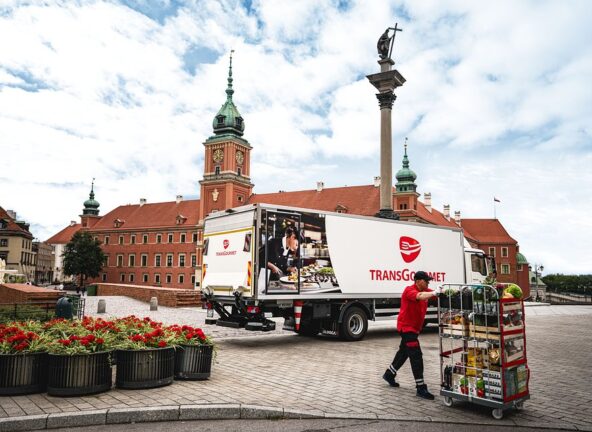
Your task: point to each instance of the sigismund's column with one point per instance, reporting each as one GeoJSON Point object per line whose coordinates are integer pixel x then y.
{"type": "Point", "coordinates": [386, 81]}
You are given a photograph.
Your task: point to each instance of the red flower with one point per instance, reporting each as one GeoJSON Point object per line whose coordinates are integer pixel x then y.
{"type": "Point", "coordinates": [162, 344]}
{"type": "Point", "coordinates": [100, 341]}
{"type": "Point", "coordinates": [137, 338]}
{"type": "Point", "coordinates": [65, 342]}
{"type": "Point", "coordinates": [84, 342]}
{"type": "Point", "coordinates": [90, 337]}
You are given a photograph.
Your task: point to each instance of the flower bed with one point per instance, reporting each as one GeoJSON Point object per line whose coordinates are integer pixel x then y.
{"type": "Point", "coordinates": [81, 355]}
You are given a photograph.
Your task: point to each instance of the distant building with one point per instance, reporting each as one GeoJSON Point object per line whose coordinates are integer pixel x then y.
{"type": "Point", "coordinates": [44, 262]}
{"type": "Point", "coordinates": [16, 245]}
{"type": "Point", "coordinates": [160, 244]}
{"type": "Point", "coordinates": [58, 242]}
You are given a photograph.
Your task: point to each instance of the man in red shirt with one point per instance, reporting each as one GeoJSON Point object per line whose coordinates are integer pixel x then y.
{"type": "Point", "coordinates": [414, 304]}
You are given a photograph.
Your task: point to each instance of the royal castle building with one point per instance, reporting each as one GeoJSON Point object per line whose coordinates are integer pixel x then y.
{"type": "Point", "coordinates": [159, 244]}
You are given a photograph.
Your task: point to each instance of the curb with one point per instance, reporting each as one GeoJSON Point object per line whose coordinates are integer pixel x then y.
{"type": "Point", "coordinates": [217, 412]}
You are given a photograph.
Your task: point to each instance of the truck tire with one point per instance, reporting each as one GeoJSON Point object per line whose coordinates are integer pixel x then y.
{"type": "Point", "coordinates": [354, 325]}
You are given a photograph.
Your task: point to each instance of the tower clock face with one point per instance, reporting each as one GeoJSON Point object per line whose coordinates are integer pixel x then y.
{"type": "Point", "coordinates": [218, 155]}
{"type": "Point", "coordinates": [240, 157]}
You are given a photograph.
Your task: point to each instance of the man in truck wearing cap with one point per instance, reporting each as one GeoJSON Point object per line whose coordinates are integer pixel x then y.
{"type": "Point", "coordinates": [414, 304]}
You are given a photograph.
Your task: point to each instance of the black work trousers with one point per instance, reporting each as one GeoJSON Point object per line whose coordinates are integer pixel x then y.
{"type": "Point", "coordinates": [410, 349]}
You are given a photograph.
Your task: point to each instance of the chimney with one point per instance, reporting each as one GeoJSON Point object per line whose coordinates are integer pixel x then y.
{"type": "Point", "coordinates": [179, 198]}
{"type": "Point", "coordinates": [447, 211]}
{"type": "Point", "coordinates": [427, 201]}
{"type": "Point", "coordinates": [457, 217]}
{"type": "Point", "coordinates": [72, 223]}
{"type": "Point", "coordinates": [12, 214]}
{"type": "Point", "coordinates": [377, 181]}
{"type": "Point", "coordinates": [320, 186]}
{"type": "Point", "coordinates": [142, 201]}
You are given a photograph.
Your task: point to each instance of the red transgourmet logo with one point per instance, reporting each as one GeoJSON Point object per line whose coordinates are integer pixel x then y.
{"type": "Point", "coordinates": [410, 248]}
{"type": "Point", "coordinates": [226, 243]}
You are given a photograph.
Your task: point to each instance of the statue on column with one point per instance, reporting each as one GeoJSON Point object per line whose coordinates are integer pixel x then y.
{"type": "Point", "coordinates": [386, 42]}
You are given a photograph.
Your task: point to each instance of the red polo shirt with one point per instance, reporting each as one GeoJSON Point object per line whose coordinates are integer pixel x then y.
{"type": "Point", "coordinates": [413, 311]}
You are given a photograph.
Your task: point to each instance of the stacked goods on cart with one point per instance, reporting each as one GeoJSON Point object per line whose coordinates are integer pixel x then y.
{"type": "Point", "coordinates": [454, 324]}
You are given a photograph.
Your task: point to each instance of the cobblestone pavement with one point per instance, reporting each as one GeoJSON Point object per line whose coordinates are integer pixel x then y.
{"type": "Point", "coordinates": [281, 369]}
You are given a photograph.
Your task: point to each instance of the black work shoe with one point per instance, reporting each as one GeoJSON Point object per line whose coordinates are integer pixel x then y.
{"type": "Point", "coordinates": [390, 378]}
{"type": "Point", "coordinates": [422, 392]}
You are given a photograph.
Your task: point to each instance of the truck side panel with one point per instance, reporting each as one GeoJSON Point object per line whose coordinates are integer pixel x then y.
{"type": "Point", "coordinates": [379, 257]}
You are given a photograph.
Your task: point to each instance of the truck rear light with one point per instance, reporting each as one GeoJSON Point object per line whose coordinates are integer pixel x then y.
{"type": "Point", "coordinates": [209, 305]}
{"type": "Point", "coordinates": [253, 309]}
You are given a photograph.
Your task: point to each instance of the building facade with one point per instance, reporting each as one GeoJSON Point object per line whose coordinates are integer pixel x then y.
{"type": "Point", "coordinates": [16, 246]}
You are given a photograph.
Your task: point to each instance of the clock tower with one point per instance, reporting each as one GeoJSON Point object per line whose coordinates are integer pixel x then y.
{"type": "Point", "coordinates": [226, 182]}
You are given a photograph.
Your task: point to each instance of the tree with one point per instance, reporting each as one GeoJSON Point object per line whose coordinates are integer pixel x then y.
{"type": "Point", "coordinates": [83, 256]}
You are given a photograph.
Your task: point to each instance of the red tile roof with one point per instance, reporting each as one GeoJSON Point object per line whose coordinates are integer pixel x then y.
{"type": "Point", "coordinates": [12, 226]}
{"type": "Point", "coordinates": [65, 235]}
{"type": "Point", "coordinates": [361, 200]}
{"type": "Point", "coordinates": [155, 215]}
{"type": "Point", "coordinates": [487, 230]}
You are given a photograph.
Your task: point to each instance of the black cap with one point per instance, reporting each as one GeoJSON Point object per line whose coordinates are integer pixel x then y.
{"type": "Point", "coordinates": [421, 275]}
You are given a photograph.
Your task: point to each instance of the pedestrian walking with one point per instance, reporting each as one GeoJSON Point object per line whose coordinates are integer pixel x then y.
{"type": "Point", "coordinates": [84, 290]}
{"type": "Point", "coordinates": [414, 304]}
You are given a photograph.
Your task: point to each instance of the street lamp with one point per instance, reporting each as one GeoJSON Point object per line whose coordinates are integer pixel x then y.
{"type": "Point", "coordinates": [536, 269]}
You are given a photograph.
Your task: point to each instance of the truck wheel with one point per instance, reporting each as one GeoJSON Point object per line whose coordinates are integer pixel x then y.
{"type": "Point", "coordinates": [354, 324]}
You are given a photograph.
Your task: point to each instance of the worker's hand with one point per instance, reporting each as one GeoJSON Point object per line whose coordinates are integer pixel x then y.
{"type": "Point", "coordinates": [274, 268]}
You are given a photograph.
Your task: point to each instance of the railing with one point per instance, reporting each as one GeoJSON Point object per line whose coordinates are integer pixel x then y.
{"type": "Point", "coordinates": [568, 298]}
{"type": "Point", "coordinates": [42, 311]}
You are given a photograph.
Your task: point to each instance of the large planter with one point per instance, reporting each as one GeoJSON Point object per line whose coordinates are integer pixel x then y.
{"type": "Point", "coordinates": [80, 374]}
{"type": "Point", "coordinates": [140, 369]}
{"type": "Point", "coordinates": [23, 373]}
{"type": "Point", "coordinates": [193, 362]}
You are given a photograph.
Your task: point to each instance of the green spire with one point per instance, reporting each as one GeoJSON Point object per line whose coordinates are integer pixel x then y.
{"type": "Point", "coordinates": [405, 176]}
{"type": "Point", "coordinates": [228, 121]}
{"type": "Point", "coordinates": [91, 206]}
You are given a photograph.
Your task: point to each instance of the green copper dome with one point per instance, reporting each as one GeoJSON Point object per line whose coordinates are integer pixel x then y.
{"type": "Point", "coordinates": [91, 206]}
{"type": "Point", "coordinates": [521, 259]}
{"type": "Point", "coordinates": [405, 176]}
{"type": "Point", "coordinates": [228, 120]}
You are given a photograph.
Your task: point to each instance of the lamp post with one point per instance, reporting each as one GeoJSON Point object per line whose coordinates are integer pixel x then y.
{"type": "Point", "coordinates": [536, 269]}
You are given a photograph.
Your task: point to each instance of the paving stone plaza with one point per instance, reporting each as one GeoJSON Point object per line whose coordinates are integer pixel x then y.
{"type": "Point", "coordinates": [280, 374]}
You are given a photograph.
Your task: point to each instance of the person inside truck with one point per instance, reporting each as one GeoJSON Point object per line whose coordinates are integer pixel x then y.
{"type": "Point", "coordinates": [281, 253]}
{"type": "Point", "coordinates": [414, 304]}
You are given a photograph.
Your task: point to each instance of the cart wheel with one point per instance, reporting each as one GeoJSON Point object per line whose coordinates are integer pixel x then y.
{"type": "Point", "coordinates": [497, 414]}
{"type": "Point", "coordinates": [448, 401]}
{"type": "Point", "coordinates": [519, 405]}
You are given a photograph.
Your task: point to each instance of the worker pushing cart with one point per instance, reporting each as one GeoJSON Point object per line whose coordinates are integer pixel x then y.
{"type": "Point", "coordinates": [483, 346]}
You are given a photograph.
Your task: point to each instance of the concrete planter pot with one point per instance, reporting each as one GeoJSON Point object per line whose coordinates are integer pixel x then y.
{"type": "Point", "coordinates": [80, 374]}
{"type": "Point", "coordinates": [23, 373]}
{"type": "Point", "coordinates": [193, 362]}
{"type": "Point", "coordinates": [141, 369]}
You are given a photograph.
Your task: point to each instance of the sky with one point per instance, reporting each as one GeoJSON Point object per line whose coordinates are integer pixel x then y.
{"type": "Point", "coordinates": [497, 103]}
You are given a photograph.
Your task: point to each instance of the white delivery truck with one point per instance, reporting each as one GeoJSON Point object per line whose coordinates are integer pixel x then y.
{"type": "Point", "coordinates": [323, 272]}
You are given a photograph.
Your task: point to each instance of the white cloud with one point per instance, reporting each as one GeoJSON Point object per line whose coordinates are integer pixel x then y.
{"type": "Point", "coordinates": [497, 102]}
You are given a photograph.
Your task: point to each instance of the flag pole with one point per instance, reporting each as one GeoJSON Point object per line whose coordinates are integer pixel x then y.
{"type": "Point", "coordinates": [494, 214]}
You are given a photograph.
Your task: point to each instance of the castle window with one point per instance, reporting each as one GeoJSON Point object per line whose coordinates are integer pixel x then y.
{"type": "Point", "coordinates": [240, 198]}
{"type": "Point", "coordinates": [182, 239]}
{"type": "Point", "coordinates": [131, 277]}
{"type": "Point", "coordinates": [144, 260]}
{"type": "Point", "coordinates": [132, 260]}
{"type": "Point", "coordinates": [104, 277]}
{"type": "Point", "coordinates": [157, 278]}
{"type": "Point", "coordinates": [106, 240]}
{"type": "Point", "coordinates": [169, 278]}
{"type": "Point", "coordinates": [402, 206]}
{"type": "Point", "coordinates": [239, 171]}
{"type": "Point", "coordinates": [181, 278]}
{"type": "Point", "coordinates": [122, 277]}
{"type": "Point", "coordinates": [4, 242]}
{"type": "Point", "coordinates": [170, 238]}
{"type": "Point", "coordinates": [492, 252]}
{"type": "Point", "coordinates": [158, 238]}
{"type": "Point", "coordinates": [133, 239]}
{"type": "Point", "coordinates": [220, 120]}
{"type": "Point", "coordinates": [145, 238]}
{"type": "Point", "coordinates": [504, 252]}
{"type": "Point", "coordinates": [505, 268]}
{"type": "Point", "coordinates": [145, 277]}
{"type": "Point", "coordinates": [119, 260]}
{"type": "Point", "coordinates": [157, 260]}
{"type": "Point", "coordinates": [217, 170]}
{"type": "Point", "coordinates": [239, 122]}
{"type": "Point", "coordinates": [120, 240]}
